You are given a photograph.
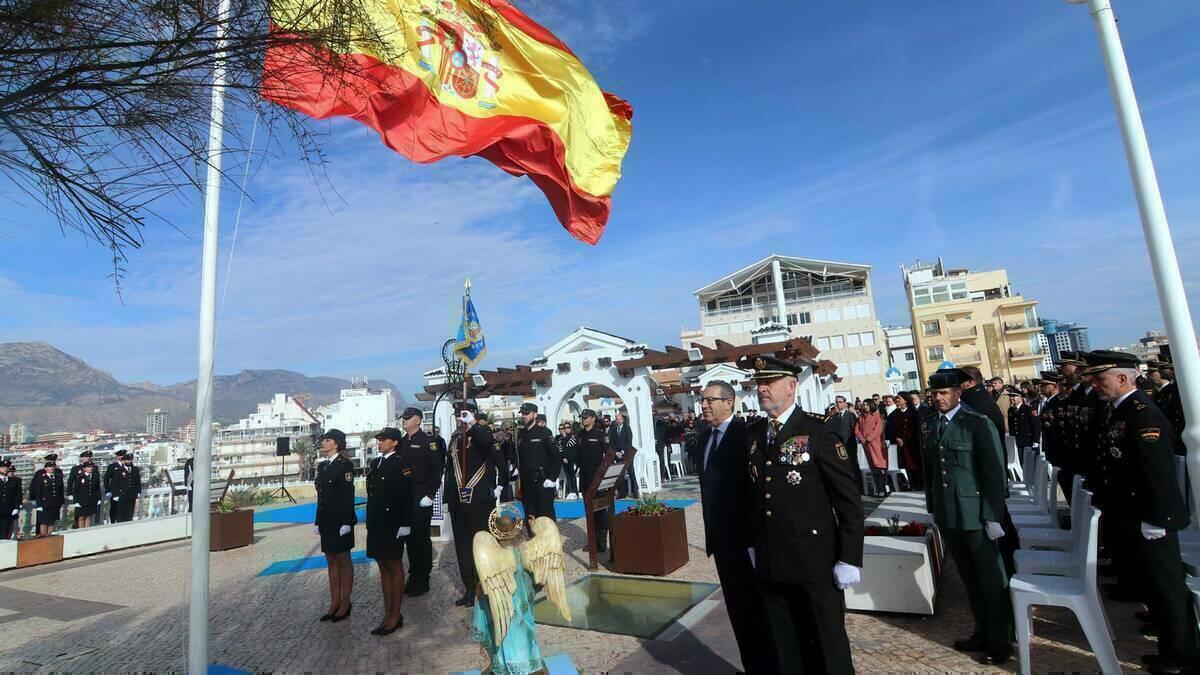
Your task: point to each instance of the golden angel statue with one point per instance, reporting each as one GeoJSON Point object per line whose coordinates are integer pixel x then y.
{"type": "Point", "coordinates": [503, 621]}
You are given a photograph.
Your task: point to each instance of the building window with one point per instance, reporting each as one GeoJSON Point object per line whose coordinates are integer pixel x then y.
{"type": "Point", "coordinates": [1030, 317]}
{"type": "Point", "coordinates": [835, 314]}
{"type": "Point", "coordinates": [911, 375]}
{"type": "Point", "coordinates": [872, 366]}
{"type": "Point", "coordinates": [852, 340]}
{"type": "Point", "coordinates": [722, 329]}
{"type": "Point", "coordinates": [837, 342]}
{"type": "Point", "coordinates": [857, 368]}
{"type": "Point", "coordinates": [823, 344]}
{"type": "Point", "coordinates": [868, 339]}
{"type": "Point", "coordinates": [820, 316]}
{"type": "Point", "coordinates": [929, 328]}
{"type": "Point", "coordinates": [909, 356]}
{"type": "Point", "coordinates": [935, 353]}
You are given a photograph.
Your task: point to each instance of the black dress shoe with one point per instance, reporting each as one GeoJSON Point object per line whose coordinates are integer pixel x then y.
{"type": "Point", "coordinates": [416, 590]}
{"type": "Point", "coordinates": [326, 617]}
{"type": "Point", "coordinates": [974, 643]}
{"type": "Point", "coordinates": [470, 602]}
{"type": "Point", "coordinates": [343, 617]}
{"type": "Point", "coordinates": [1148, 630]}
{"type": "Point", "coordinates": [994, 656]}
{"type": "Point", "coordinates": [381, 631]}
{"type": "Point", "coordinates": [467, 597]}
{"type": "Point", "coordinates": [1151, 659]}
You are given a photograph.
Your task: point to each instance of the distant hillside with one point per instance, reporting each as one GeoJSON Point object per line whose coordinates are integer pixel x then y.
{"type": "Point", "coordinates": [49, 390]}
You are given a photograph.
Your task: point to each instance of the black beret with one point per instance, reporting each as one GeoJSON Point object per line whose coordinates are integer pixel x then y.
{"type": "Point", "coordinates": [390, 433]}
{"type": "Point", "coordinates": [86, 453]}
{"type": "Point", "coordinates": [528, 408]}
{"type": "Point", "coordinates": [410, 412]}
{"type": "Point", "coordinates": [52, 457]}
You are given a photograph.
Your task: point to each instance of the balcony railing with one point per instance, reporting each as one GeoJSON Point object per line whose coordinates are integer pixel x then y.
{"type": "Point", "coordinates": [1014, 355]}
{"type": "Point", "coordinates": [1019, 327]}
{"type": "Point", "coordinates": [962, 333]}
{"type": "Point", "coordinates": [964, 358]}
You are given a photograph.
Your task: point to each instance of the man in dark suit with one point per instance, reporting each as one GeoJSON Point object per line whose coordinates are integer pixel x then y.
{"type": "Point", "coordinates": [721, 456]}
{"type": "Point", "coordinates": [538, 465]}
{"type": "Point", "coordinates": [842, 422]}
{"type": "Point", "coordinates": [421, 455]}
{"type": "Point", "coordinates": [620, 440]}
{"type": "Point", "coordinates": [806, 523]}
{"type": "Point", "coordinates": [1168, 401]}
{"type": "Point", "coordinates": [477, 474]}
{"type": "Point", "coordinates": [1022, 423]}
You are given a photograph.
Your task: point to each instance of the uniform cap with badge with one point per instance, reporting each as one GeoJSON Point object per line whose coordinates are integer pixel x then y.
{"type": "Point", "coordinates": [1103, 359]}
{"type": "Point", "coordinates": [337, 436]}
{"type": "Point", "coordinates": [1066, 358]}
{"type": "Point", "coordinates": [528, 408]}
{"type": "Point", "coordinates": [764, 368]}
{"type": "Point", "coordinates": [390, 434]}
{"type": "Point", "coordinates": [410, 412]}
{"type": "Point", "coordinates": [948, 378]}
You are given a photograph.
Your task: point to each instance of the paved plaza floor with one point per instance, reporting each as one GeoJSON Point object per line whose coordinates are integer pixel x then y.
{"type": "Point", "coordinates": [126, 611]}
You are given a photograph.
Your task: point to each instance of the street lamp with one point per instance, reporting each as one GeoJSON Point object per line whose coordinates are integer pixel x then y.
{"type": "Point", "coordinates": [1171, 297]}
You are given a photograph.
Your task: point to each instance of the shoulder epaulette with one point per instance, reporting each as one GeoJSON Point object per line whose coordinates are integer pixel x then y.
{"type": "Point", "coordinates": [971, 412]}
{"type": "Point", "coordinates": [817, 416]}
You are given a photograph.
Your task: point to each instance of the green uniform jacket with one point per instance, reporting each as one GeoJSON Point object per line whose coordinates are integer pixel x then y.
{"type": "Point", "coordinates": [964, 471]}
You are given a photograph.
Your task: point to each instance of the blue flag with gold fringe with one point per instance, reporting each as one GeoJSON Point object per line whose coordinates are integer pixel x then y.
{"type": "Point", "coordinates": [470, 346]}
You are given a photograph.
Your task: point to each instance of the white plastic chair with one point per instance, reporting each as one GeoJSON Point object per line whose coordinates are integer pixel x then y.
{"type": "Point", "coordinates": [1077, 593]}
{"type": "Point", "coordinates": [894, 472]}
{"type": "Point", "coordinates": [675, 460]}
{"type": "Point", "coordinates": [1012, 456]}
{"type": "Point", "coordinates": [1048, 517]}
{"type": "Point", "coordinates": [1058, 538]}
{"type": "Point", "coordinates": [1024, 489]}
{"type": "Point", "coordinates": [1038, 496]}
{"type": "Point", "coordinates": [1062, 562]}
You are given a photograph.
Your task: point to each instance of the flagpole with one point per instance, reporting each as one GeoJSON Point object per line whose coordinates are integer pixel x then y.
{"type": "Point", "coordinates": [198, 604]}
{"type": "Point", "coordinates": [1176, 315]}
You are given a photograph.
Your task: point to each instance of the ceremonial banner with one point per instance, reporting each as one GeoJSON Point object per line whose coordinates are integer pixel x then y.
{"type": "Point", "coordinates": [459, 77]}
{"type": "Point", "coordinates": [470, 345]}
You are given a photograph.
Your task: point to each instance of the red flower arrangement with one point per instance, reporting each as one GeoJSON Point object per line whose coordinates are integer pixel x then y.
{"type": "Point", "coordinates": [895, 529]}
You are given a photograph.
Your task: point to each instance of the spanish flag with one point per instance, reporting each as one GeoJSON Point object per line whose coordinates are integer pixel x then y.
{"type": "Point", "coordinates": [457, 77]}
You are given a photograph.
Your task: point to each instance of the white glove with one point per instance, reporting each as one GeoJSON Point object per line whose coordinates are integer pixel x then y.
{"type": "Point", "coordinates": [750, 550]}
{"type": "Point", "coordinates": [38, 509]}
{"type": "Point", "coordinates": [845, 575]}
{"type": "Point", "coordinates": [75, 505]}
{"type": "Point", "coordinates": [343, 530]}
{"type": "Point", "coordinates": [497, 491]}
{"type": "Point", "coordinates": [994, 530]}
{"type": "Point", "coordinates": [71, 498]}
{"type": "Point", "coordinates": [107, 494]}
{"type": "Point", "coordinates": [116, 499]}
{"type": "Point", "coordinates": [426, 502]}
{"type": "Point", "coordinates": [1150, 532]}
{"type": "Point", "coordinates": [15, 512]}
{"type": "Point", "coordinates": [403, 532]}
{"type": "Point", "coordinates": [549, 483]}
{"type": "Point", "coordinates": [317, 530]}
{"type": "Point", "coordinates": [466, 418]}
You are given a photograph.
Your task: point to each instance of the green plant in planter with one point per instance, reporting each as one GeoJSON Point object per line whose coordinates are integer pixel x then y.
{"type": "Point", "coordinates": [649, 505]}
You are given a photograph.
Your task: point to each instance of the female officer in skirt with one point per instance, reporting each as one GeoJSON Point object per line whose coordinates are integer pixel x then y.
{"type": "Point", "coordinates": [87, 493]}
{"type": "Point", "coordinates": [336, 520]}
{"type": "Point", "coordinates": [46, 490]}
{"type": "Point", "coordinates": [389, 519]}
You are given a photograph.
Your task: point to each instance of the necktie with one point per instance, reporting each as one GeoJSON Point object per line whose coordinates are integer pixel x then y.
{"type": "Point", "coordinates": [773, 431]}
{"type": "Point", "coordinates": [941, 426]}
{"type": "Point", "coordinates": [712, 445]}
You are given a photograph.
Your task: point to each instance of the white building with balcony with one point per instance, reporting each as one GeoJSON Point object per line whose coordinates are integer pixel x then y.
{"type": "Point", "coordinates": [248, 447]}
{"type": "Point", "coordinates": [359, 410]}
{"type": "Point", "coordinates": [830, 303]}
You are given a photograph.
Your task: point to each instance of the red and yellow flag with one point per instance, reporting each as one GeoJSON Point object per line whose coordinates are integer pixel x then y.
{"type": "Point", "coordinates": [467, 77]}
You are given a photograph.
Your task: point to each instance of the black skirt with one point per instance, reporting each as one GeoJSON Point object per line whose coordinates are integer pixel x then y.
{"type": "Point", "coordinates": [84, 510]}
{"type": "Point", "coordinates": [382, 544]}
{"type": "Point", "coordinates": [332, 542]}
{"type": "Point", "coordinates": [49, 514]}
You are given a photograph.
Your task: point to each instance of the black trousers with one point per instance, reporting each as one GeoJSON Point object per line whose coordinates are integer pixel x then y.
{"type": "Point", "coordinates": [660, 448]}
{"type": "Point", "coordinates": [981, 567]}
{"type": "Point", "coordinates": [123, 510]}
{"type": "Point", "coordinates": [1162, 587]}
{"type": "Point", "coordinates": [6, 526]}
{"type": "Point", "coordinates": [572, 480]}
{"type": "Point", "coordinates": [420, 545]}
{"type": "Point", "coordinates": [465, 521]}
{"type": "Point", "coordinates": [808, 626]}
{"type": "Point", "coordinates": [747, 611]}
{"type": "Point", "coordinates": [537, 500]}
{"type": "Point", "coordinates": [628, 484]}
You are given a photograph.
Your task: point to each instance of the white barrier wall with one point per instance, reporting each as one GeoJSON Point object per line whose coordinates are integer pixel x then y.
{"type": "Point", "coordinates": [91, 540]}
{"type": "Point", "coordinates": [8, 554]}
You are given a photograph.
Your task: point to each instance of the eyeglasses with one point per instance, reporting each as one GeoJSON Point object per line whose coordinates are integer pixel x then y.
{"type": "Point", "coordinates": [711, 399]}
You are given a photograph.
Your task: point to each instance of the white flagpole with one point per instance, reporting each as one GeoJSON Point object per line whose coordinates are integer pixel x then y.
{"type": "Point", "coordinates": [1176, 314]}
{"type": "Point", "coordinates": [198, 605]}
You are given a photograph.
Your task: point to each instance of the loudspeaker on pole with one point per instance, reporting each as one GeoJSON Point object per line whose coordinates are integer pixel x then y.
{"type": "Point", "coordinates": [283, 446]}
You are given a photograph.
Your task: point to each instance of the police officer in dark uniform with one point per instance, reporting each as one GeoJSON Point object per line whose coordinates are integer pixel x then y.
{"type": "Point", "coordinates": [1049, 416]}
{"type": "Point", "coordinates": [110, 482]}
{"type": "Point", "coordinates": [1022, 424]}
{"type": "Point", "coordinates": [128, 487]}
{"type": "Point", "coordinates": [1169, 402]}
{"type": "Point", "coordinates": [567, 448]}
{"type": "Point", "coordinates": [590, 449]}
{"type": "Point", "coordinates": [47, 492]}
{"type": "Point", "coordinates": [390, 506]}
{"type": "Point", "coordinates": [335, 521]}
{"type": "Point", "coordinates": [538, 465]}
{"type": "Point", "coordinates": [1135, 486]}
{"type": "Point", "coordinates": [85, 457]}
{"type": "Point", "coordinates": [85, 493]}
{"type": "Point", "coordinates": [965, 463]}
{"type": "Point", "coordinates": [10, 500]}
{"type": "Point", "coordinates": [474, 480]}
{"type": "Point", "coordinates": [422, 456]}
{"type": "Point", "coordinates": [806, 523]}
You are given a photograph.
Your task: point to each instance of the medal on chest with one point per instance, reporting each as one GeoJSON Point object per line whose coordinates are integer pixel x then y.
{"type": "Point", "coordinates": [794, 451]}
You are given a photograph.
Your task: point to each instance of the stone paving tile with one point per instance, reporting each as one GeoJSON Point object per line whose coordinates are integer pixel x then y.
{"type": "Point", "coordinates": [269, 624]}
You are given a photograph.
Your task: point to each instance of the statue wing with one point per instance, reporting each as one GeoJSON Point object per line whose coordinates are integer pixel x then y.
{"type": "Point", "coordinates": [543, 557]}
{"type": "Point", "coordinates": [496, 569]}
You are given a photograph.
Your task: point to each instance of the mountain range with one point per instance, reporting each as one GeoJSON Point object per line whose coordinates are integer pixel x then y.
{"type": "Point", "coordinates": [49, 390]}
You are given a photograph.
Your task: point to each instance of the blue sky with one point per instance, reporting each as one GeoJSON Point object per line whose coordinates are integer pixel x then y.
{"type": "Point", "coordinates": [871, 132]}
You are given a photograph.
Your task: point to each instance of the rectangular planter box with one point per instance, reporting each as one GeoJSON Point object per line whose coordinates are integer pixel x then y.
{"type": "Point", "coordinates": [38, 551]}
{"type": "Point", "coordinates": [649, 545]}
{"type": "Point", "coordinates": [900, 574]}
{"type": "Point", "coordinates": [231, 530]}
